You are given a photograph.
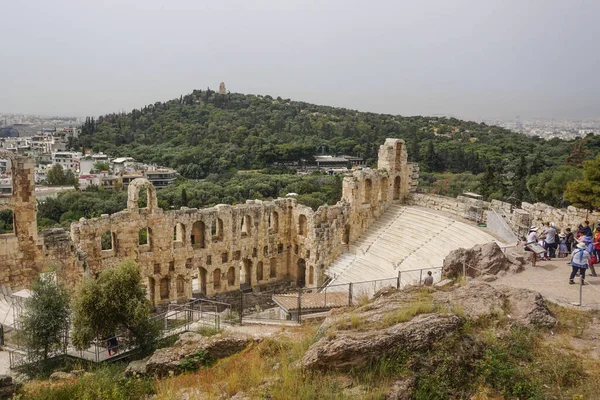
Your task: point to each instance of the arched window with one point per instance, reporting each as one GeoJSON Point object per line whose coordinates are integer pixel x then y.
{"type": "Point", "coordinates": [180, 286]}
{"type": "Point", "coordinates": [179, 233]}
{"type": "Point", "coordinates": [273, 268]}
{"type": "Point", "coordinates": [164, 289]}
{"type": "Point", "coordinates": [302, 225]}
{"type": "Point", "coordinates": [231, 276]}
{"type": "Point", "coordinates": [397, 182]}
{"type": "Point", "coordinates": [259, 271]}
{"type": "Point", "coordinates": [274, 222]}
{"type": "Point", "coordinates": [7, 223]}
{"type": "Point", "coordinates": [202, 278]}
{"type": "Point", "coordinates": [301, 273]}
{"type": "Point", "coordinates": [266, 251]}
{"type": "Point", "coordinates": [383, 189]}
{"type": "Point", "coordinates": [197, 237]}
{"type": "Point", "coordinates": [145, 236]}
{"type": "Point", "coordinates": [217, 279]}
{"type": "Point", "coordinates": [107, 240]}
{"type": "Point", "coordinates": [216, 229]}
{"type": "Point", "coordinates": [368, 190]}
{"type": "Point", "coordinates": [246, 225]}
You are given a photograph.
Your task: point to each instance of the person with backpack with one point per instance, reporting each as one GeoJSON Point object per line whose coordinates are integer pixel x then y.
{"type": "Point", "coordinates": [579, 262]}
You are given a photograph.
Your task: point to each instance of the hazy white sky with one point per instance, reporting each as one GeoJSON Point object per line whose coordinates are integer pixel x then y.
{"type": "Point", "coordinates": [469, 58]}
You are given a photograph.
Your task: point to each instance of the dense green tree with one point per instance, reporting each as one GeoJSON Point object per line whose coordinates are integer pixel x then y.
{"type": "Point", "coordinates": [114, 304]}
{"type": "Point", "coordinates": [56, 176]}
{"type": "Point", "coordinates": [549, 186]}
{"type": "Point", "coordinates": [585, 193]}
{"type": "Point", "coordinates": [101, 166]}
{"type": "Point", "coordinates": [46, 319]}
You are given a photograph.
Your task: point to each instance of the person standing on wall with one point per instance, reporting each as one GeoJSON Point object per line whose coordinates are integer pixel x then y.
{"type": "Point", "coordinates": [579, 262]}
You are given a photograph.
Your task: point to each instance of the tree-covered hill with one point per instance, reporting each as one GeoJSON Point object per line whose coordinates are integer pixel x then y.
{"type": "Point", "coordinates": [206, 132]}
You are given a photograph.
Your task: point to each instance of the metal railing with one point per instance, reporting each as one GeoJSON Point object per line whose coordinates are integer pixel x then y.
{"type": "Point", "coordinates": [177, 319]}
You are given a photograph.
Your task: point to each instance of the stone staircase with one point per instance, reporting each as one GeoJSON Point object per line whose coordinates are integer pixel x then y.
{"type": "Point", "coordinates": [404, 238]}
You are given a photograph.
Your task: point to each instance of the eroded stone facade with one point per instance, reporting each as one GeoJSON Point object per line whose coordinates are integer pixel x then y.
{"type": "Point", "coordinates": [256, 243]}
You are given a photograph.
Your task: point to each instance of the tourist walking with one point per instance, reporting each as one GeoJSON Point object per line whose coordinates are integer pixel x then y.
{"type": "Point", "coordinates": [563, 249]}
{"type": "Point", "coordinates": [589, 247]}
{"type": "Point", "coordinates": [579, 262]}
{"type": "Point", "coordinates": [532, 237]}
{"type": "Point", "coordinates": [570, 240]}
{"type": "Point", "coordinates": [550, 239]}
{"type": "Point", "coordinates": [587, 231]}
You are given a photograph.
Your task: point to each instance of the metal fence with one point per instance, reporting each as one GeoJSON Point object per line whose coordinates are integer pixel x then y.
{"type": "Point", "coordinates": [178, 318]}
{"type": "Point", "coordinates": [288, 306]}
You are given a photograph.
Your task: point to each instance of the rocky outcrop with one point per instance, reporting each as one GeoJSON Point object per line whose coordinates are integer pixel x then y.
{"type": "Point", "coordinates": [483, 259]}
{"type": "Point", "coordinates": [347, 350]}
{"type": "Point", "coordinates": [62, 376]}
{"type": "Point", "coordinates": [7, 387]}
{"type": "Point", "coordinates": [478, 299]}
{"type": "Point", "coordinates": [528, 308]}
{"type": "Point", "coordinates": [402, 389]}
{"type": "Point", "coordinates": [168, 360]}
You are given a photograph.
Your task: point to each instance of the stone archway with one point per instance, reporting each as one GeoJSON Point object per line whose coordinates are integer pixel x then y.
{"type": "Point", "coordinates": [301, 273]}
{"type": "Point", "coordinates": [133, 194]}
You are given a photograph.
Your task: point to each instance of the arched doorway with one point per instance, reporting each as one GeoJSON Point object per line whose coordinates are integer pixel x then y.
{"type": "Point", "coordinates": [197, 237]}
{"type": "Point", "coordinates": [202, 276]}
{"type": "Point", "coordinates": [247, 272]}
{"type": "Point", "coordinates": [301, 273]}
{"type": "Point", "coordinates": [397, 188]}
{"type": "Point", "coordinates": [151, 290]}
{"type": "Point", "coordinates": [231, 276]}
{"type": "Point", "coordinates": [383, 189]}
{"type": "Point", "coordinates": [164, 289]}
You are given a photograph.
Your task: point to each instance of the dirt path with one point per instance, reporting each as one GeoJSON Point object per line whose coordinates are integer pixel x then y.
{"type": "Point", "coordinates": [551, 279]}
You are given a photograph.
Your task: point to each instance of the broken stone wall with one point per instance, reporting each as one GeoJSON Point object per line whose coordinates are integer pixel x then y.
{"type": "Point", "coordinates": [260, 243]}
{"type": "Point", "coordinates": [20, 256]}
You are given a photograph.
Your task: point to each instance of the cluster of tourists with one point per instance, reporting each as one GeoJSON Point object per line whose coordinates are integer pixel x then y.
{"type": "Point", "coordinates": [582, 246]}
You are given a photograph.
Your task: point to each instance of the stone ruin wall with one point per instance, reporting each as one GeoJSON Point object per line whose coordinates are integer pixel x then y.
{"type": "Point", "coordinates": [258, 243]}
{"type": "Point", "coordinates": [20, 252]}
{"type": "Point", "coordinates": [519, 219]}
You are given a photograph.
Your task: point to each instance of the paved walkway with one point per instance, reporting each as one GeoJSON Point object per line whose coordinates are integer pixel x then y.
{"type": "Point", "coordinates": [4, 363]}
{"type": "Point", "coordinates": [551, 279]}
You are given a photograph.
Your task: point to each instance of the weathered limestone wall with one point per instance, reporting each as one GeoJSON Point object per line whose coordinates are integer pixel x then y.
{"type": "Point", "coordinates": [20, 256]}
{"type": "Point", "coordinates": [257, 243]}
{"type": "Point", "coordinates": [457, 206]}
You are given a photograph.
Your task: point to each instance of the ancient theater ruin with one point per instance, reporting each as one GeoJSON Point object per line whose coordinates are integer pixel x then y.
{"type": "Point", "coordinates": [374, 231]}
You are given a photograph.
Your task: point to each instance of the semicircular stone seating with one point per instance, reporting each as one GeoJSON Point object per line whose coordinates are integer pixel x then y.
{"type": "Point", "coordinates": [404, 238]}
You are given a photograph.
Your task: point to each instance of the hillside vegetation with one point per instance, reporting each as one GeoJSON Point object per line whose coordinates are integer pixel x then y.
{"type": "Point", "coordinates": [205, 133]}
{"type": "Point", "coordinates": [416, 344]}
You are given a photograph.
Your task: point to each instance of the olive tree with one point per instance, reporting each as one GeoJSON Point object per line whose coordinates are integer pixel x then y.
{"type": "Point", "coordinates": [114, 303]}
{"type": "Point", "coordinates": [46, 319]}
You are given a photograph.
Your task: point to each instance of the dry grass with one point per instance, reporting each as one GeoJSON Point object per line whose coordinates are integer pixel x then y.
{"type": "Point", "coordinates": [273, 359]}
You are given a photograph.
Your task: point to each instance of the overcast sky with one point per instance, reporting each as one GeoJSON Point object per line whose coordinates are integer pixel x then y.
{"type": "Point", "coordinates": [468, 58]}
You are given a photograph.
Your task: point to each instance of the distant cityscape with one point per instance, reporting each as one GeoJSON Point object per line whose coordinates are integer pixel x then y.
{"type": "Point", "coordinates": [549, 129]}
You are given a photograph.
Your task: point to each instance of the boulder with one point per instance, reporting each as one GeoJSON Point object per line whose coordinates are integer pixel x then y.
{"type": "Point", "coordinates": [350, 349]}
{"type": "Point", "coordinates": [401, 390]}
{"type": "Point", "coordinates": [137, 367]}
{"type": "Point", "coordinates": [481, 259]}
{"type": "Point", "coordinates": [166, 361]}
{"type": "Point", "coordinates": [528, 308]}
{"type": "Point", "coordinates": [61, 376]}
{"type": "Point", "coordinates": [7, 387]}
